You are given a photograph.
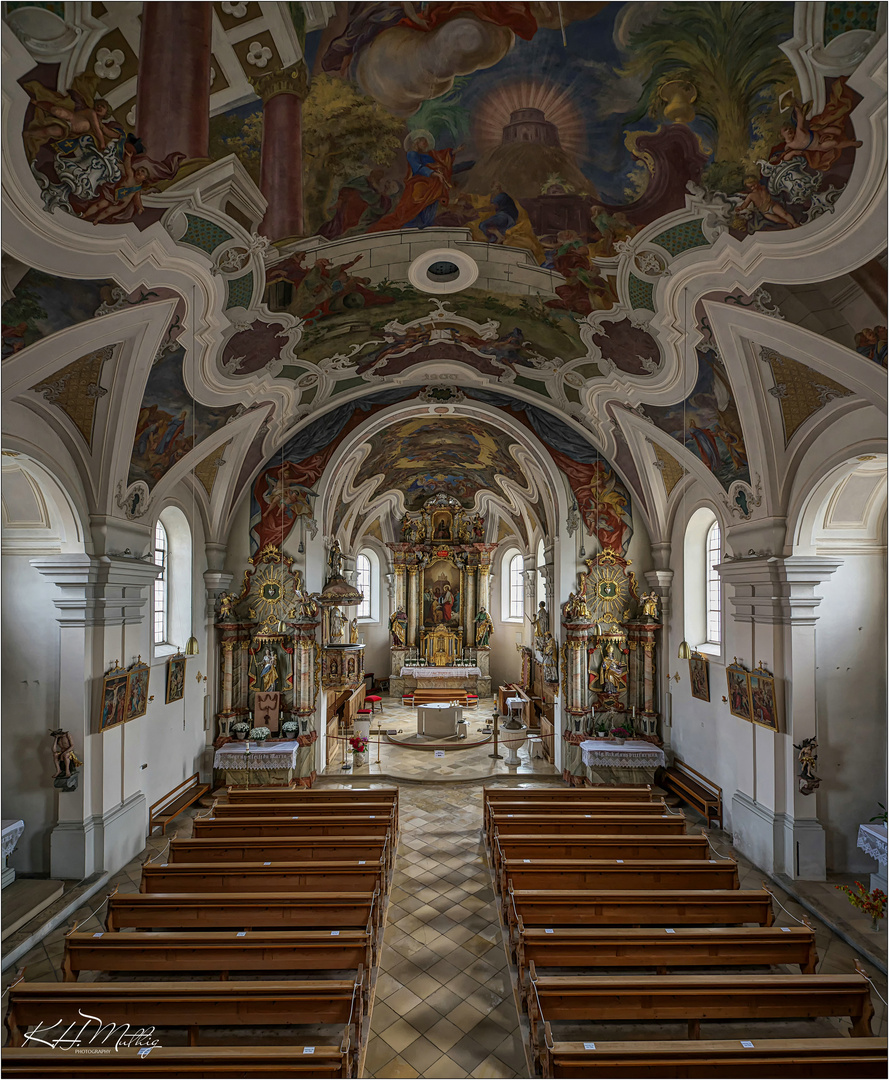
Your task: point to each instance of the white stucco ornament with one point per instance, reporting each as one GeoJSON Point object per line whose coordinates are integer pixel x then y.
{"type": "Point", "coordinates": [237, 11]}
{"type": "Point", "coordinates": [108, 61]}
{"type": "Point", "coordinates": [258, 54]}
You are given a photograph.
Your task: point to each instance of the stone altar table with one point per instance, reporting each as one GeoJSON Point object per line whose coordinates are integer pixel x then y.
{"type": "Point", "coordinates": [439, 720]}
{"type": "Point", "coordinates": [632, 762]}
{"type": "Point", "coordinates": [872, 839]}
{"type": "Point", "coordinates": [266, 763]}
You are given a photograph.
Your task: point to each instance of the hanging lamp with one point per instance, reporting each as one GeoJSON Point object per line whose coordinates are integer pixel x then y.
{"type": "Point", "coordinates": [684, 648]}
{"type": "Point", "coordinates": [191, 646]}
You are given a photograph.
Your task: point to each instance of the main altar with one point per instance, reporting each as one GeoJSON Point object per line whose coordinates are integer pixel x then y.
{"type": "Point", "coordinates": [441, 629]}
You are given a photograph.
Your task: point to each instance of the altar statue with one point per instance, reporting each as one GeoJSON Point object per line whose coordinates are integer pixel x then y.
{"type": "Point", "coordinates": [540, 621]}
{"type": "Point", "coordinates": [64, 758]}
{"type": "Point", "coordinates": [550, 652]}
{"type": "Point", "coordinates": [338, 623]}
{"type": "Point", "coordinates": [576, 609]}
{"type": "Point", "coordinates": [614, 673]}
{"type": "Point", "coordinates": [353, 632]}
{"type": "Point", "coordinates": [226, 603]}
{"type": "Point", "coordinates": [335, 560]}
{"type": "Point", "coordinates": [649, 604]}
{"type": "Point", "coordinates": [483, 629]}
{"type": "Point", "coordinates": [268, 669]}
{"type": "Point", "coordinates": [398, 627]}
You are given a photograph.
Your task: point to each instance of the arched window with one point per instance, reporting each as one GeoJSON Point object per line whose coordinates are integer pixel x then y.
{"type": "Point", "coordinates": [363, 581]}
{"type": "Point", "coordinates": [516, 587]}
{"type": "Point", "coordinates": [161, 586]}
{"type": "Point", "coordinates": [713, 591]}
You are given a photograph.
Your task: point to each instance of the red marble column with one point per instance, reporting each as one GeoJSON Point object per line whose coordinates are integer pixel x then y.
{"type": "Point", "coordinates": [280, 166]}
{"type": "Point", "coordinates": [173, 102]}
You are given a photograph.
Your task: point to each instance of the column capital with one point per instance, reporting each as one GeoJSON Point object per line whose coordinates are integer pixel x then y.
{"type": "Point", "coordinates": [290, 80]}
{"type": "Point", "coordinates": [99, 590]}
{"type": "Point", "coordinates": [659, 580]}
{"type": "Point", "coordinates": [776, 590]}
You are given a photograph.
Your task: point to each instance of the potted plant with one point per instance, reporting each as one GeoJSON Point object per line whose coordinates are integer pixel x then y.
{"type": "Point", "coordinates": [871, 903]}
{"type": "Point", "coordinates": [239, 730]}
{"type": "Point", "coordinates": [359, 745]}
{"type": "Point", "coordinates": [290, 729]}
{"type": "Point", "coordinates": [620, 734]}
{"type": "Point", "coordinates": [259, 734]}
{"type": "Point", "coordinates": [601, 728]}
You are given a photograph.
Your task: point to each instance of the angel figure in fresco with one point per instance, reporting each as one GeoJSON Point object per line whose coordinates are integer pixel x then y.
{"type": "Point", "coordinates": [821, 139]}
{"type": "Point", "coordinates": [427, 185]}
{"type": "Point", "coordinates": [757, 197]}
{"type": "Point", "coordinates": [483, 629]}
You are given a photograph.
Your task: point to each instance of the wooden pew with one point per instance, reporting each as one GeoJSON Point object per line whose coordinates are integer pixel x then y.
{"type": "Point", "coordinates": [271, 1062]}
{"type": "Point", "coordinates": [764, 1058]}
{"type": "Point", "coordinates": [539, 797]}
{"type": "Point", "coordinates": [246, 811]}
{"type": "Point", "coordinates": [244, 911]}
{"type": "Point", "coordinates": [253, 951]}
{"type": "Point", "coordinates": [596, 874]}
{"type": "Point", "coordinates": [694, 788]}
{"type": "Point", "coordinates": [560, 811]}
{"type": "Point", "coordinates": [747, 946]}
{"type": "Point", "coordinates": [193, 1005]}
{"type": "Point", "coordinates": [279, 849]}
{"type": "Point", "coordinates": [693, 998]}
{"type": "Point", "coordinates": [314, 796]}
{"type": "Point", "coordinates": [287, 826]}
{"type": "Point", "coordinates": [655, 907]}
{"type": "Point", "coordinates": [597, 847]}
{"type": "Point", "coordinates": [596, 824]}
{"type": "Point", "coordinates": [175, 802]}
{"type": "Point", "coordinates": [345, 876]}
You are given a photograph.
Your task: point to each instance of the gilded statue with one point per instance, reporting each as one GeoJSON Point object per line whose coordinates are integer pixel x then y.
{"type": "Point", "coordinates": [268, 669]}
{"type": "Point", "coordinates": [226, 603]}
{"type": "Point", "coordinates": [540, 621]}
{"type": "Point", "coordinates": [649, 604]}
{"type": "Point", "coordinates": [335, 560]}
{"type": "Point", "coordinates": [353, 632]}
{"type": "Point", "coordinates": [614, 673]}
{"type": "Point", "coordinates": [483, 629]}
{"type": "Point", "coordinates": [576, 609]}
{"type": "Point", "coordinates": [398, 627]}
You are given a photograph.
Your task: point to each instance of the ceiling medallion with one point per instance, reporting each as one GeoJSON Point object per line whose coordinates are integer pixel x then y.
{"type": "Point", "coordinates": [442, 270]}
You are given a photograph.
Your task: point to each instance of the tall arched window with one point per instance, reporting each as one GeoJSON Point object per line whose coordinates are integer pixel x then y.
{"type": "Point", "coordinates": [363, 581]}
{"type": "Point", "coordinates": [161, 586]}
{"type": "Point", "coordinates": [516, 587]}
{"type": "Point", "coordinates": [713, 591]}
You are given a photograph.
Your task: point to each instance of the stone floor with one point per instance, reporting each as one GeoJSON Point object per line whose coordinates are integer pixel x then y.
{"type": "Point", "coordinates": [469, 763]}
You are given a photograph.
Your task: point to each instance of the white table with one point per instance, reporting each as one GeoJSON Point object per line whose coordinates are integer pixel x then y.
{"type": "Point", "coordinates": [517, 705]}
{"type": "Point", "coordinates": [266, 763]}
{"type": "Point", "coordinates": [12, 832]}
{"type": "Point", "coordinates": [439, 719]}
{"type": "Point", "coordinates": [873, 840]}
{"type": "Point", "coordinates": [631, 762]}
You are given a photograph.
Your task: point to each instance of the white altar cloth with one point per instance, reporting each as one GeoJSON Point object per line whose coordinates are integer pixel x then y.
{"type": "Point", "coordinates": [12, 831]}
{"type": "Point", "coordinates": [633, 754]}
{"type": "Point", "coordinates": [279, 755]}
{"type": "Point", "coordinates": [872, 839]}
{"type": "Point", "coordinates": [439, 672]}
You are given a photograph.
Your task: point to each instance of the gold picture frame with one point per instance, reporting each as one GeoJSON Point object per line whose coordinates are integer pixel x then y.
{"type": "Point", "coordinates": [738, 690]}
{"type": "Point", "coordinates": [113, 709]}
{"type": "Point", "coordinates": [175, 679]}
{"type": "Point", "coordinates": [699, 676]}
{"type": "Point", "coordinates": [763, 702]}
{"type": "Point", "coordinates": [137, 690]}
{"type": "Point", "coordinates": [442, 527]}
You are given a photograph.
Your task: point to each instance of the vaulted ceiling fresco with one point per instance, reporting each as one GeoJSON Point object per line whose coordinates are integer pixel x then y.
{"type": "Point", "coordinates": [605, 175]}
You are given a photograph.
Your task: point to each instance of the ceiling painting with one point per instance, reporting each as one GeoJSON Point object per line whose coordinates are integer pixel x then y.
{"type": "Point", "coordinates": [455, 456]}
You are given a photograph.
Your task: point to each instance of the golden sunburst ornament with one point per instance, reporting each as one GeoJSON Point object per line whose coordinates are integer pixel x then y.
{"type": "Point", "coordinates": [607, 589]}
{"type": "Point", "coordinates": [272, 592]}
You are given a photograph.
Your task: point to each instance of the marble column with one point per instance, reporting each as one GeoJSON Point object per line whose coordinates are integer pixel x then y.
{"type": "Point", "coordinates": [173, 106]}
{"type": "Point", "coordinates": [484, 587]}
{"type": "Point", "coordinates": [412, 616]}
{"type": "Point", "coordinates": [400, 599]}
{"type": "Point", "coordinates": [280, 165]}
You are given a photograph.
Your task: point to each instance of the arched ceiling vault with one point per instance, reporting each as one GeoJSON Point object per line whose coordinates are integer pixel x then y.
{"type": "Point", "coordinates": [189, 336]}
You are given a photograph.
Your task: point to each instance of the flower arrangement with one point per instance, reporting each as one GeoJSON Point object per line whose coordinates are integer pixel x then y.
{"type": "Point", "coordinates": [871, 903]}
{"type": "Point", "coordinates": [359, 743]}
{"type": "Point", "coordinates": [259, 734]}
{"type": "Point", "coordinates": [620, 733]}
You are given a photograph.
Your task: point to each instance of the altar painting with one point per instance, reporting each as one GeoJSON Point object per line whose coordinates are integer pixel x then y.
{"type": "Point", "coordinates": [441, 594]}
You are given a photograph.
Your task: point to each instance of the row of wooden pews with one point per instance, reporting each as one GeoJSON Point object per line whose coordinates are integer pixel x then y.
{"type": "Point", "coordinates": [241, 928]}
{"type": "Point", "coordinates": [605, 883]}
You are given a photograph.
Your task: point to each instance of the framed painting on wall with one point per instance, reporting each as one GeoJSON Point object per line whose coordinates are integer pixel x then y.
{"type": "Point", "coordinates": [114, 699]}
{"type": "Point", "coordinates": [137, 690]}
{"type": "Point", "coordinates": [175, 679]}
{"type": "Point", "coordinates": [699, 675]}
{"type": "Point", "coordinates": [763, 705]}
{"type": "Point", "coordinates": [738, 691]}
{"type": "Point", "coordinates": [441, 594]}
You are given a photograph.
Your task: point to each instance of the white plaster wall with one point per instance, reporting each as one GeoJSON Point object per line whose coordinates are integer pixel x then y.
{"type": "Point", "coordinates": [851, 695]}
{"type": "Point", "coordinates": [30, 694]}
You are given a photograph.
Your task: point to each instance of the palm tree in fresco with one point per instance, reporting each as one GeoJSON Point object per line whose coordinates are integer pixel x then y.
{"type": "Point", "coordinates": [719, 62]}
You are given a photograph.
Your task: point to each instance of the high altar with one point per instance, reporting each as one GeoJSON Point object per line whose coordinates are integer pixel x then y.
{"type": "Point", "coordinates": [442, 595]}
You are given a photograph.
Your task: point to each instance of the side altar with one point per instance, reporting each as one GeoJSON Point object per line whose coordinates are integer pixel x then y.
{"type": "Point", "coordinates": [441, 629]}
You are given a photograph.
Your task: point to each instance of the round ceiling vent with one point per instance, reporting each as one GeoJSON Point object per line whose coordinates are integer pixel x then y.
{"type": "Point", "coordinates": [442, 270]}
